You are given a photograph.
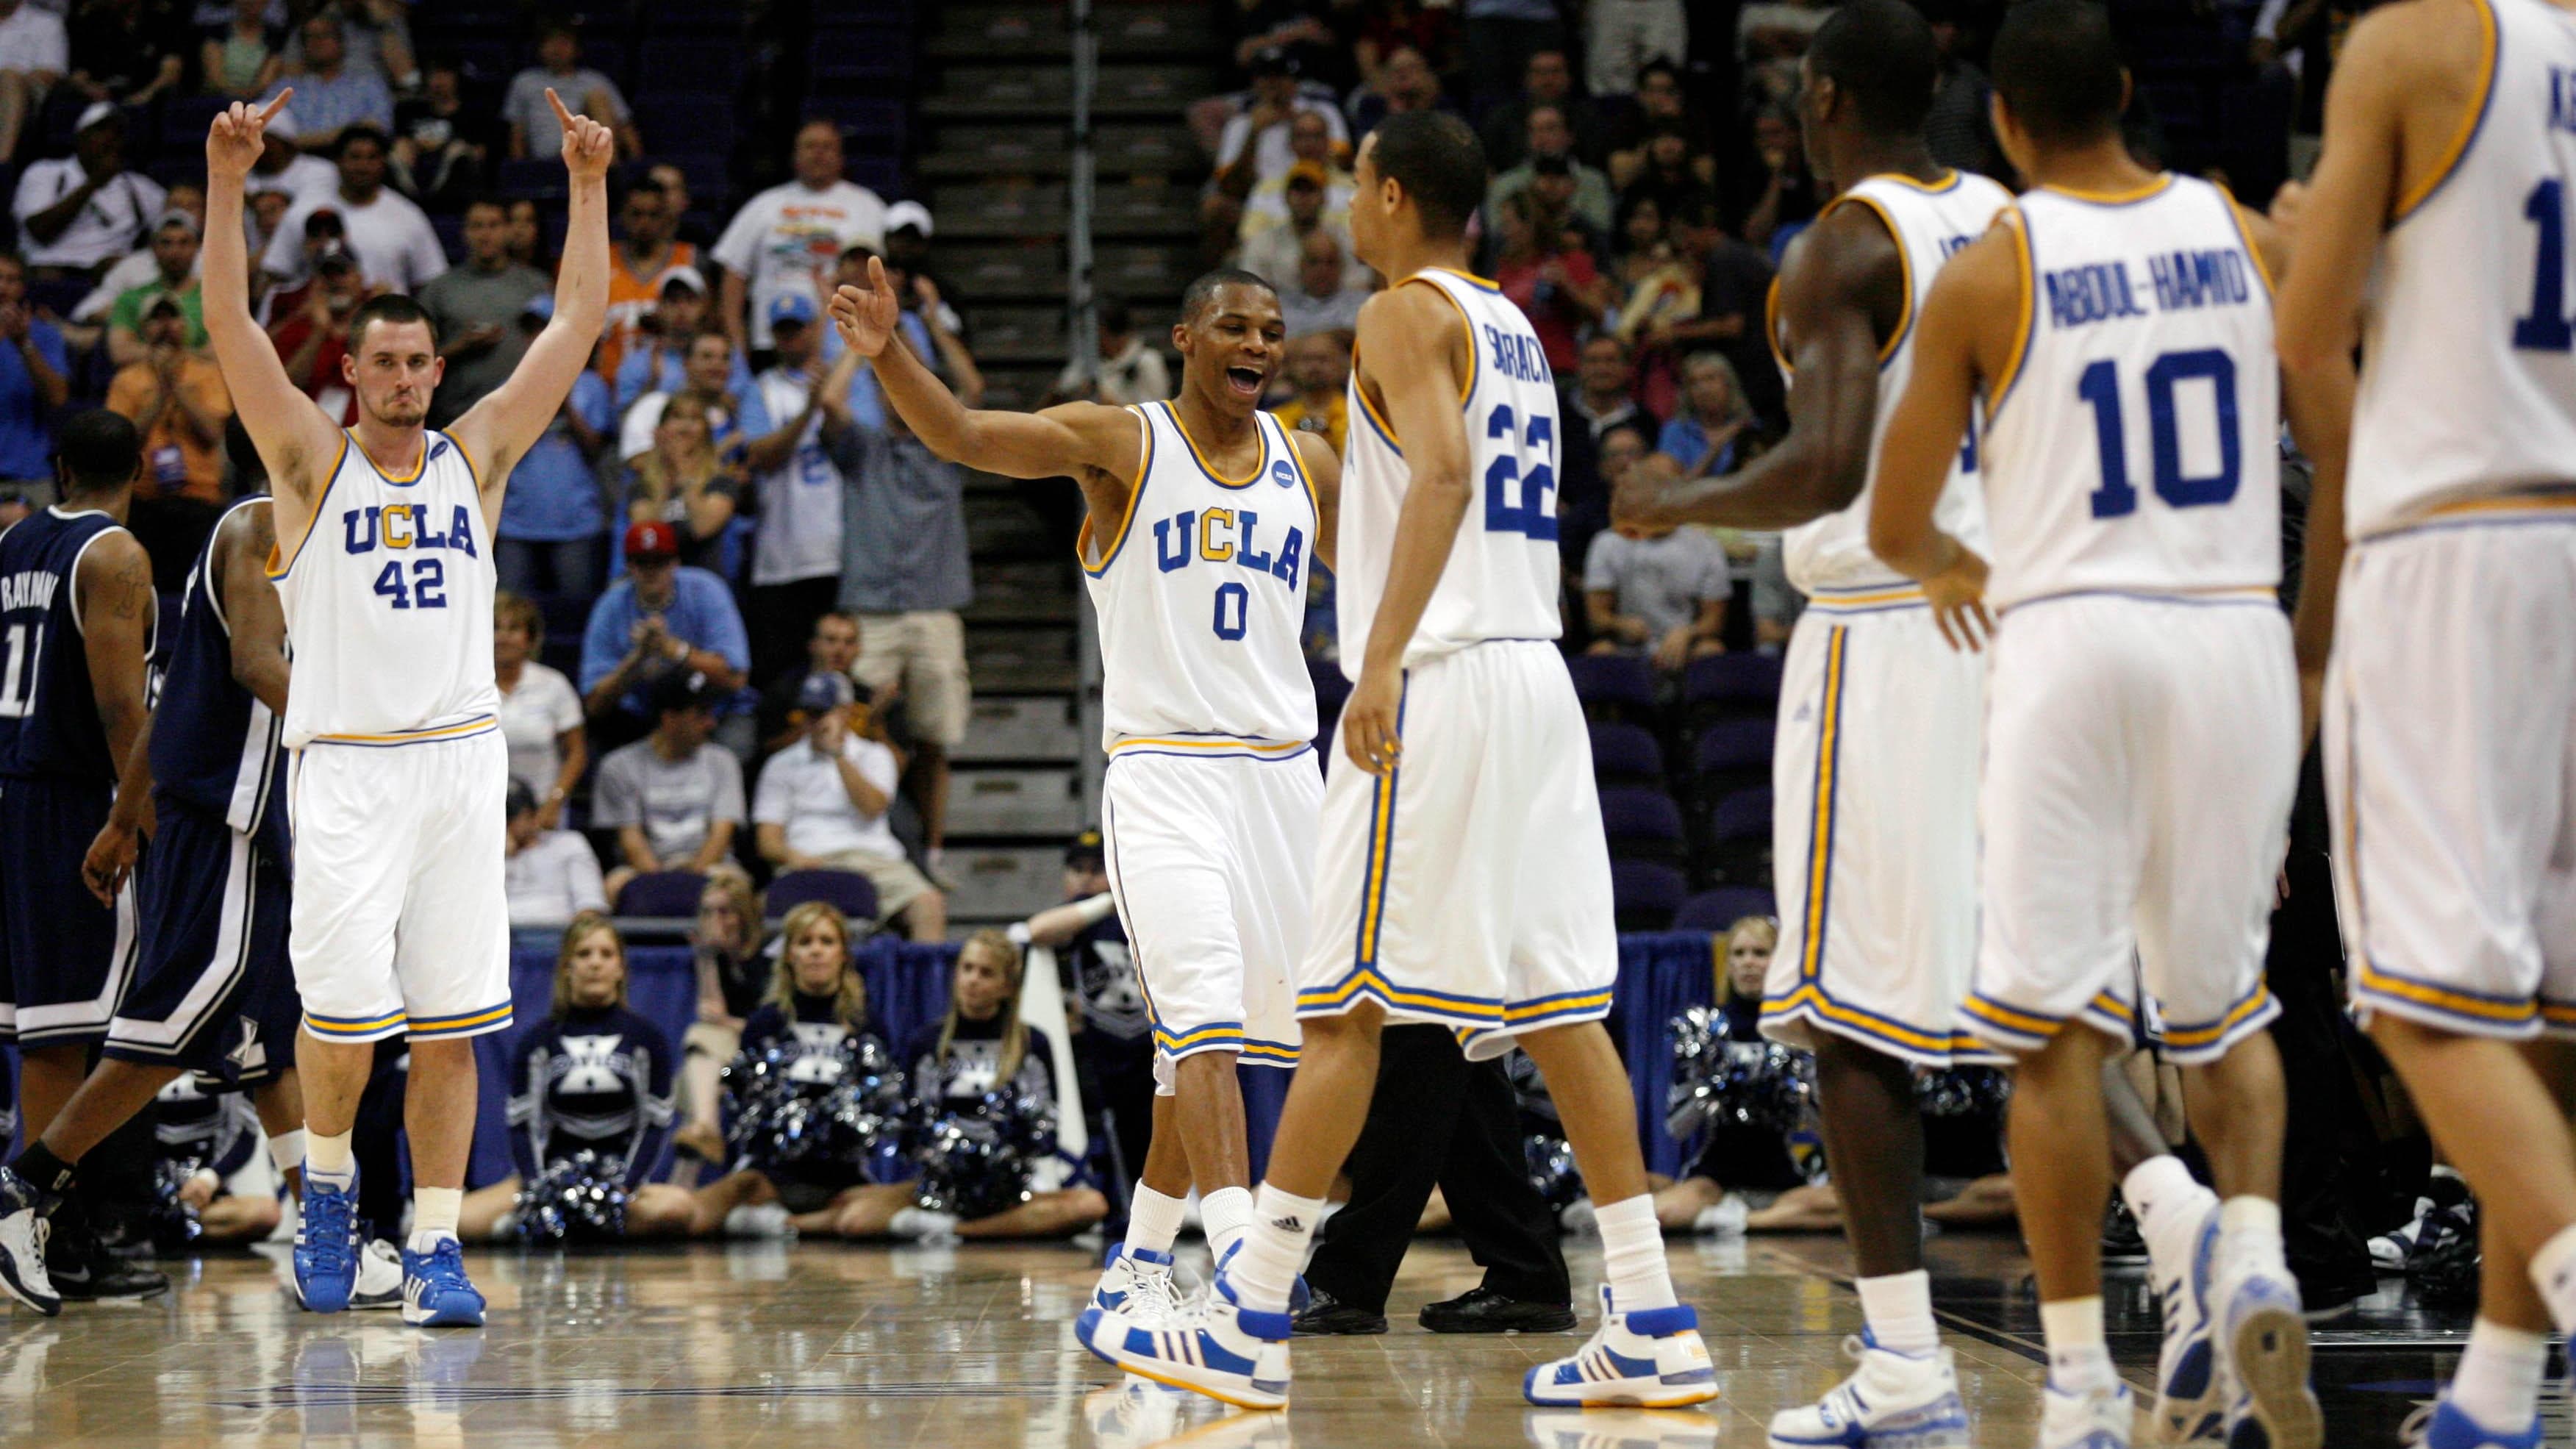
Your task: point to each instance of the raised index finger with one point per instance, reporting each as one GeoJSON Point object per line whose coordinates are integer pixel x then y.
{"type": "Point", "coordinates": [561, 113]}
{"type": "Point", "coordinates": [274, 106]}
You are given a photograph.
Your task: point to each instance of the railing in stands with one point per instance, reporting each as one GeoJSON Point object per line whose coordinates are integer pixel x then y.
{"type": "Point", "coordinates": [1082, 332]}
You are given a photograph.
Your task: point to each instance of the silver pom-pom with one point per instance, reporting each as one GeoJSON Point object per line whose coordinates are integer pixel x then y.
{"type": "Point", "coordinates": [581, 1199]}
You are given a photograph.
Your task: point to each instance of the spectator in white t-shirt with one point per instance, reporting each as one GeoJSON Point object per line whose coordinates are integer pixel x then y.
{"type": "Point", "coordinates": [396, 247]}
{"type": "Point", "coordinates": [674, 797]}
{"type": "Point", "coordinates": [35, 51]}
{"type": "Point", "coordinates": [82, 211]}
{"type": "Point", "coordinates": [822, 803]}
{"type": "Point", "coordinates": [789, 237]}
{"type": "Point", "coordinates": [796, 552]}
{"type": "Point", "coordinates": [1260, 131]}
{"type": "Point", "coordinates": [549, 875]}
{"type": "Point", "coordinates": [540, 710]}
{"type": "Point", "coordinates": [534, 131]}
{"type": "Point", "coordinates": [284, 167]}
{"type": "Point", "coordinates": [1662, 593]}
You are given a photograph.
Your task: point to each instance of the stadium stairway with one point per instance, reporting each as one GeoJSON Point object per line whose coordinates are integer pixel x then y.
{"type": "Point", "coordinates": [997, 160]}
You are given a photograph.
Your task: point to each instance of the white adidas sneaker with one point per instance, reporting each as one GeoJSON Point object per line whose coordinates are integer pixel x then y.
{"type": "Point", "coordinates": [1892, 1401]}
{"type": "Point", "coordinates": [1650, 1359]}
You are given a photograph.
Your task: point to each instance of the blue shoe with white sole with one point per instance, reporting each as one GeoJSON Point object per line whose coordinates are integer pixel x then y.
{"type": "Point", "coordinates": [436, 1293]}
{"type": "Point", "coordinates": [2441, 1425]}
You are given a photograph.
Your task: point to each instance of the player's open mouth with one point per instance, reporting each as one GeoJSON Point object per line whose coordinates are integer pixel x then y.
{"type": "Point", "coordinates": [1246, 381]}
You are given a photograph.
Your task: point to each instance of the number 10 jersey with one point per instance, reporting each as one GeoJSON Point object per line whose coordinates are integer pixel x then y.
{"type": "Point", "coordinates": [1501, 582]}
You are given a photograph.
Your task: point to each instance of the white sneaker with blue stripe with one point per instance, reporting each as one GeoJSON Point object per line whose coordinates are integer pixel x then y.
{"type": "Point", "coordinates": [1140, 1284]}
{"type": "Point", "coordinates": [2441, 1425]}
{"type": "Point", "coordinates": [1216, 1347]}
{"type": "Point", "coordinates": [2263, 1362]}
{"type": "Point", "coordinates": [2188, 1407]}
{"type": "Point", "coordinates": [436, 1293]}
{"type": "Point", "coordinates": [1299, 1295]}
{"type": "Point", "coordinates": [1648, 1359]}
{"type": "Point", "coordinates": [1893, 1401]}
{"type": "Point", "coordinates": [2101, 1420]}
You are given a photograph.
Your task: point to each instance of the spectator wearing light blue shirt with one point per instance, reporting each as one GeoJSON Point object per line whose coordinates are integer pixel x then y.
{"type": "Point", "coordinates": [711, 370]}
{"type": "Point", "coordinates": [330, 95]}
{"type": "Point", "coordinates": [657, 363]}
{"type": "Point", "coordinates": [1701, 437]}
{"type": "Point", "coordinates": [661, 619]}
{"type": "Point", "coordinates": [553, 519]}
{"type": "Point", "coordinates": [34, 380]}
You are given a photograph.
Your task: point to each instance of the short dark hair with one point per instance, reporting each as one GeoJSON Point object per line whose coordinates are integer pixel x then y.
{"type": "Point", "coordinates": [393, 308]}
{"type": "Point", "coordinates": [1438, 161]}
{"type": "Point", "coordinates": [1658, 66]}
{"type": "Point", "coordinates": [484, 199]}
{"type": "Point", "coordinates": [1881, 53]}
{"type": "Point", "coordinates": [2057, 67]}
{"type": "Point", "coordinates": [1202, 292]}
{"type": "Point", "coordinates": [645, 184]}
{"type": "Point", "coordinates": [357, 131]}
{"type": "Point", "coordinates": [1114, 318]}
{"type": "Point", "coordinates": [98, 450]}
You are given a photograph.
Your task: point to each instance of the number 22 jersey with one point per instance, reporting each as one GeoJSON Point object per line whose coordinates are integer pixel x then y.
{"type": "Point", "coordinates": [1501, 581]}
{"type": "Point", "coordinates": [388, 599]}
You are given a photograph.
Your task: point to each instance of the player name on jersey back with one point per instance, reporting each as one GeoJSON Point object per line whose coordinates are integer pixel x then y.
{"type": "Point", "coordinates": [2468, 375]}
{"type": "Point", "coordinates": [2131, 444]}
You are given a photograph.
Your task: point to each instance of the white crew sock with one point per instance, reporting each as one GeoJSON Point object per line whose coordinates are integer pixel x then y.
{"type": "Point", "coordinates": [2249, 1228]}
{"type": "Point", "coordinates": [2079, 1358]}
{"type": "Point", "coordinates": [1225, 1215]}
{"type": "Point", "coordinates": [1899, 1310]}
{"type": "Point", "coordinates": [2553, 1271]}
{"type": "Point", "coordinates": [329, 1161]}
{"type": "Point", "coordinates": [286, 1151]}
{"type": "Point", "coordinates": [434, 1211]}
{"type": "Point", "coordinates": [1265, 1272]}
{"type": "Point", "coordinates": [2170, 1205]}
{"type": "Point", "coordinates": [1153, 1220]}
{"type": "Point", "coordinates": [1632, 1255]}
{"type": "Point", "coordinates": [2498, 1381]}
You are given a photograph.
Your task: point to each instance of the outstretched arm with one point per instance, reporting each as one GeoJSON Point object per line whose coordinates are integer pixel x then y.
{"type": "Point", "coordinates": [294, 439]}
{"type": "Point", "coordinates": [1412, 345]}
{"type": "Point", "coordinates": [1842, 278]}
{"type": "Point", "coordinates": [501, 428]}
{"type": "Point", "coordinates": [1050, 444]}
{"type": "Point", "coordinates": [1958, 342]}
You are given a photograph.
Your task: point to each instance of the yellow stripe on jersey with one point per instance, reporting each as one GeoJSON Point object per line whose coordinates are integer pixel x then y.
{"type": "Point", "coordinates": [1949, 182]}
{"type": "Point", "coordinates": [2245, 234]}
{"type": "Point", "coordinates": [1258, 747]}
{"type": "Point", "coordinates": [464, 457]}
{"type": "Point", "coordinates": [2113, 198]}
{"type": "Point", "coordinates": [1368, 409]}
{"type": "Point", "coordinates": [1127, 520]}
{"type": "Point", "coordinates": [1297, 460]}
{"type": "Point", "coordinates": [418, 467]}
{"type": "Point", "coordinates": [1820, 828]}
{"type": "Point", "coordinates": [1904, 263]}
{"type": "Point", "coordinates": [2454, 153]}
{"type": "Point", "coordinates": [1466, 385]}
{"type": "Point", "coordinates": [1771, 328]}
{"type": "Point", "coordinates": [480, 724]}
{"type": "Point", "coordinates": [280, 565]}
{"type": "Point", "coordinates": [2026, 319]}
{"type": "Point", "coordinates": [1213, 476]}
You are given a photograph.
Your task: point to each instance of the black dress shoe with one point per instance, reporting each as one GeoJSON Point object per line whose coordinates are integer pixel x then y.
{"type": "Point", "coordinates": [1326, 1316]}
{"type": "Point", "coordinates": [1482, 1310]}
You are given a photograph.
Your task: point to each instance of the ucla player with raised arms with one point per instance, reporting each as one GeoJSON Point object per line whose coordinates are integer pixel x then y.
{"type": "Point", "coordinates": [1875, 774]}
{"type": "Point", "coordinates": [1463, 876]}
{"type": "Point", "coordinates": [383, 570]}
{"type": "Point", "coordinates": [77, 621]}
{"type": "Point", "coordinates": [1204, 516]}
{"type": "Point", "coordinates": [2141, 738]}
{"type": "Point", "coordinates": [212, 990]}
{"type": "Point", "coordinates": [2448, 183]}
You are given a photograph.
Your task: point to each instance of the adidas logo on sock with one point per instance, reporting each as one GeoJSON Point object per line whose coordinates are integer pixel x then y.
{"type": "Point", "coordinates": [1289, 1224]}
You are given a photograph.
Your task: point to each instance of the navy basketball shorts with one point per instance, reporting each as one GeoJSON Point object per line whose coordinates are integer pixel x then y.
{"type": "Point", "coordinates": [64, 958]}
{"type": "Point", "coordinates": [212, 991]}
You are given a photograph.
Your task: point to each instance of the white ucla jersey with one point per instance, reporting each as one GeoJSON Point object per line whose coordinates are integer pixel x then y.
{"type": "Point", "coordinates": [2133, 444]}
{"type": "Point", "coordinates": [1930, 225]}
{"type": "Point", "coordinates": [1501, 580]}
{"type": "Point", "coordinates": [2468, 378]}
{"type": "Point", "coordinates": [1202, 599]}
{"type": "Point", "coordinates": [388, 599]}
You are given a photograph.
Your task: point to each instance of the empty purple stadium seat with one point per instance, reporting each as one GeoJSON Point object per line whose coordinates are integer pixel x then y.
{"type": "Point", "coordinates": [1642, 825]}
{"type": "Point", "coordinates": [1626, 754]}
{"type": "Point", "coordinates": [1734, 685]}
{"type": "Point", "coordinates": [845, 890]}
{"type": "Point", "coordinates": [1715, 910]}
{"type": "Point", "coordinates": [1744, 815]}
{"type": "Point", "coordinates": [1734, 744]}
{"type": "Point", "coordinates": [662, 893]}
{"type": "Point", "coordinates": [1620, 682]}
{"type": "Point", "coordinates": [1644, 895]}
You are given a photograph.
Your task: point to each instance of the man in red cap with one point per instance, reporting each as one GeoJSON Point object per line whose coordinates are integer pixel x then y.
{"type": "Point", "coordinates": [662, 618]}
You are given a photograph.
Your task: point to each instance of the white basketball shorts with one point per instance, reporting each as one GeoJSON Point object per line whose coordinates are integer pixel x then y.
{"type": "Point", "coordinates": [2450, 730]}
{"type": "Point", "coordinates": [1874, 831]}
{"type": "Point", "coordinates": [1471, 885]}
{"type": "Point", "coordinates": [2141, 755]}
{"type": "Point", "coordinates": [400, 923]}
{"type": "Point", "coordinates": [1211, 846]}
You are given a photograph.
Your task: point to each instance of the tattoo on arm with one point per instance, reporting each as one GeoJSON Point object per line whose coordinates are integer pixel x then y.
{"type": "Point", "coordinates": [133, 587]}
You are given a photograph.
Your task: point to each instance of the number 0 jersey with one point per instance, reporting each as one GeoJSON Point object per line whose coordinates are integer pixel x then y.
{"type": "Point", "coordinates": [388, 597]}
{"type": "Point", "coordinates": [2468, 378]}
{"type": "Point", "coordinates": [1202, 598]}
{"type": "Point", "coordinates": [1930, 224]}
{"type": "Point", "coordinates": [1501, 582]}
{"type": "Point", "coordinates": [2132, 446]}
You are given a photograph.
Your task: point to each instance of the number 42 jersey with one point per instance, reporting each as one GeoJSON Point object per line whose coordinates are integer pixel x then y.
{"type": "Point", "coordinates": [1501, 581]}
{"type": "Point", "coordinates": [2132, 445]}
{"type": "Point", "coordinates": [388, 597]}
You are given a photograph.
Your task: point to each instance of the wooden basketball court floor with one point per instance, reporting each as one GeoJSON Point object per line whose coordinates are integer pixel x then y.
{"type": "Point", "coordinates": [801, 1346]}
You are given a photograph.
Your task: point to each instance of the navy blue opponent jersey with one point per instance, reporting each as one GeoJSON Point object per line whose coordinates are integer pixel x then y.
{"type": "Point", "coordinates": [216, 747]}
{"type": "Point", "coordinates": [49, 724]}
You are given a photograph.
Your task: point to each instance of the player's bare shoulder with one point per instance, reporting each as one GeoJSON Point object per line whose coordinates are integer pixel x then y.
{"type": "Point", "coordinates": [1405, 329]}
{"type": "Point", "coordinates": [1849, 258]}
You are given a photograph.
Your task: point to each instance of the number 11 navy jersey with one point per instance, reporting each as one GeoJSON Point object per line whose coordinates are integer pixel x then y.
{"type": "Point", "coordinates": [49, 724]}
{"type": "Point", "coordinates": [1501, 582]}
